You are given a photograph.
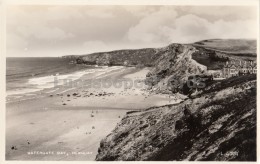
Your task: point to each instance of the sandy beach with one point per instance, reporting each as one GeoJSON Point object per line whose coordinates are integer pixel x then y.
{"type": "Point", "coordinates": [68, 123]}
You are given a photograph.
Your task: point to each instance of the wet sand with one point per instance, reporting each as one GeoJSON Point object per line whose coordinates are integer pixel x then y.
{"type": "Point", "coordinates": [68, 123]}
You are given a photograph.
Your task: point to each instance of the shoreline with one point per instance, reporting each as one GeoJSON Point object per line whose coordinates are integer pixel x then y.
{"type": "Point", "coordinates": [49, 83]}
{"type": "Point", "coordinates": [54, 121]}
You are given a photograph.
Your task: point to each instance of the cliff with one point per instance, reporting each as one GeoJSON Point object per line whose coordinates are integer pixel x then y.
{"type": "Point", "coordinates": [171, 63]}
{"type": "Point", "coordinates": [217, 123]}
{"type": "Point", "coordinates": [145, 57]}
{"type": "Point", "coordinates": [173, 68]}
{"type": "Point", "coordinates": [174, 64]}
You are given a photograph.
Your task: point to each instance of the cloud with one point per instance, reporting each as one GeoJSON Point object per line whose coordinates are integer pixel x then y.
{"type": "Point", "coordinates": [15, 41]}
{"type": "Point", "coordinates": [191, 28]}
{"type": "Point", "coordinates": [148, 29]}
{"type": "Point", "coordinates": [28, 25]}
{"type": "Point", "coordinates": [165, 26]}
{"type": "Point", "coordinates": [43, 32]}
{"type": "Point", "coordinates": [101, 12]}
{"type": "Point", "coordinates": [95, 46]}
{"type": "Point", "coordinates": [140, 11]}
{"type": "Point", "coordinates": [221, 12]}
{"type": "Point", "coordinates": [62, 13]}
{"type": "Point", "coordinates": [83, 29]}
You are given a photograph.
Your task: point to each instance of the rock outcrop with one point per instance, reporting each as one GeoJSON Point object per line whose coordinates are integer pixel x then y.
{"type": "Point", "coordinates": [218, 123]}
{"type": "Point", "coordinates": [174, 67]}
{"type": "Point", "coordinates": [145, 57]}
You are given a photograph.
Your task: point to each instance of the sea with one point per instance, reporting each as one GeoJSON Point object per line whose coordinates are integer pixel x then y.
{"type": "Point", "coordinates": [31, 74]}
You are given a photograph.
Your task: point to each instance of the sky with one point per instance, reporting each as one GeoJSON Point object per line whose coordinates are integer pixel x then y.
{"type": "Point", "coordinates": [73, 30]}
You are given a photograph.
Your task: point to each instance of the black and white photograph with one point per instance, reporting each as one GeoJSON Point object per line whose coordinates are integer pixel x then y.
{"type": "Point", "coordinates": [130, 82]}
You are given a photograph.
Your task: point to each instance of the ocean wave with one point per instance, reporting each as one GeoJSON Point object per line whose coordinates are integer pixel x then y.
{"type": "Point", "coordinates": [35, 84]}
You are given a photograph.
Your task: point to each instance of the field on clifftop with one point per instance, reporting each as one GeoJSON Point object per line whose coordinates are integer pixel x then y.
{"type": "Point", "coordinates": [232, 46]}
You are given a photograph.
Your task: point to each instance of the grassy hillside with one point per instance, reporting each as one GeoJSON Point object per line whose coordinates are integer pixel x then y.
{"type": "Point", "coordinates": [232, 46]}
{"type": "Point", "coordinates": [209, 58]}
{"type": "Point", "coordinates": [218, 124]}
{"type": "Point", "coordinates": [215, 52]}
{"type": "Point", "coordinates": [144, 57]}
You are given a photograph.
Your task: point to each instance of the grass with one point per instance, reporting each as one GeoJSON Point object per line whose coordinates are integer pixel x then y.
{"type": "Point", "coordinates": [230, 82]}
{"type": "Point", "coordinates": [229, 45]}
{"type": "Point", "coordinates": [205, 59]}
